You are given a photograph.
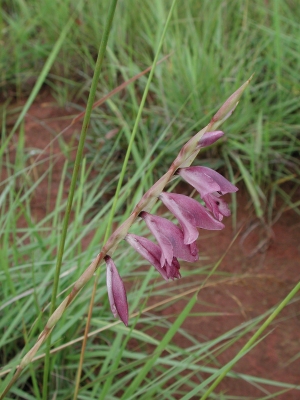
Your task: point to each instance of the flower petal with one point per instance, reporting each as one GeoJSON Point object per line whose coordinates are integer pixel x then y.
{"type": "Point", "coordinates": [206, 180]}
{"type": "Point", "coordinates": [225, 185]}
{"type": "Point", "coordinates": [185, 218]}
{"type": "Point", "coordinates": [170, 239]}
{"type": "Point", "coordinates": [202, 182]}
{"type": "Point", "coordinates": [190, 215]}
{"type": "Point", "coordinates": [152, 252]}
{"type": "Point", "coordinates": [217, 206]}
{"type": "Point", "coordinates": [116, 291]}
{"type": "Point", "coordinates": [210, 137]}
{"type": "Point", "coordinates": [149, 250]}
{"type": "Point", "coordinates": [173, 269]}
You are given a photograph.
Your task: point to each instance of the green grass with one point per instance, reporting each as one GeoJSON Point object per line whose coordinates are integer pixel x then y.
{"type": "Point", "coordinates": [214, 47]}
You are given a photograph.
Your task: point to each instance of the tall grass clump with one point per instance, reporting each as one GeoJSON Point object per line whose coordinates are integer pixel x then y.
{"type": "Point", "coordinates": [89, 355]}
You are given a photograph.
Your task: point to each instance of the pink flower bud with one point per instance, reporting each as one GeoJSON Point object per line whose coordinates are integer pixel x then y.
{"type": "Point", "coordinates": [116, 291]}
{"type": "Point", "coordinates": [210, 137]}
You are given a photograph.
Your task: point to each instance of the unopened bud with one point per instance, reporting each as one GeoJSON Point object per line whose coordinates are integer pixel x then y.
{"type": "Point", "coordinates": [210, 137]}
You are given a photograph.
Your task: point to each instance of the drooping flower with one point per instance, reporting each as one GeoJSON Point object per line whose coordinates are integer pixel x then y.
{"type": "Point", "coordinates": [210, 184]}
{"type": "Point", "coordinates": [116, 291]}
{"type": "Point", "coordinates": [205, 180]}
{"type": "Point", "coordinates": [190, 214]}
{"type": "Point", "coordinates": [152, 253]}
{"type": "Point", "coordinates": [210, 137]}
{"type": "Point", "coordinates": [170, 238]}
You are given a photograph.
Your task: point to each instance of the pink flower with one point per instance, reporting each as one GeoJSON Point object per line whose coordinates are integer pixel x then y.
{"type": "Point", "coordinates": [190, 214]}
{"type": "Point", "coordinates": [210, 137]}
{"type": "Point", "coordinates": [210, 184]}
{"type": "Point", "coordinates": [116, 291]}
{"type": "Point", "coordinates": [170, 238]}
{"type": "Point", "coordinates": [152, 253]}
{"type": "Point", "coordinates": [206, 180]}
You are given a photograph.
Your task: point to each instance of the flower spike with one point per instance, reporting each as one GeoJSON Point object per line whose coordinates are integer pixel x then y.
{"type": "Point", "coordinates": [170, 238]}
{"type": "Point", "coordinates": [190, 214]}
{"type": "Point", "coordinates": [116, 291]}
{"type": "Point", "coordinates": [152, 253]}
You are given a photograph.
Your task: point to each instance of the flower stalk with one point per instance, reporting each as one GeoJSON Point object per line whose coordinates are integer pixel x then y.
{"type": "Point", "coordinates": [184, 159]}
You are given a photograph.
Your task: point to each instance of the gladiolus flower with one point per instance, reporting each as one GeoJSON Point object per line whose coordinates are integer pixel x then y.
{"type": "Point", "coordinates": [116, 291]}
{"type": "Point", "coordinates": [152, 253]}
{"type": "Point", "coordinates": [170, 239]}
{"type": "Point", "coordinates": [210, 137]}
{"type": "Point", "coordinates": [190, 214]}
{"type": "Point", "coordinates": [206, 180]}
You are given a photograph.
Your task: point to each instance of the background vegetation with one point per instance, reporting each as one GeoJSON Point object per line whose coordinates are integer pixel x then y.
{"type": "Point", "coordinates": [214, 47]}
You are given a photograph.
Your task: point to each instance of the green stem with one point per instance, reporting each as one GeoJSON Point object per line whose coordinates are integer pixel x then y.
{"type": "Point", "coordinates": [77, 164]}
{"type": "Point", "coordinates": [251, 342]}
